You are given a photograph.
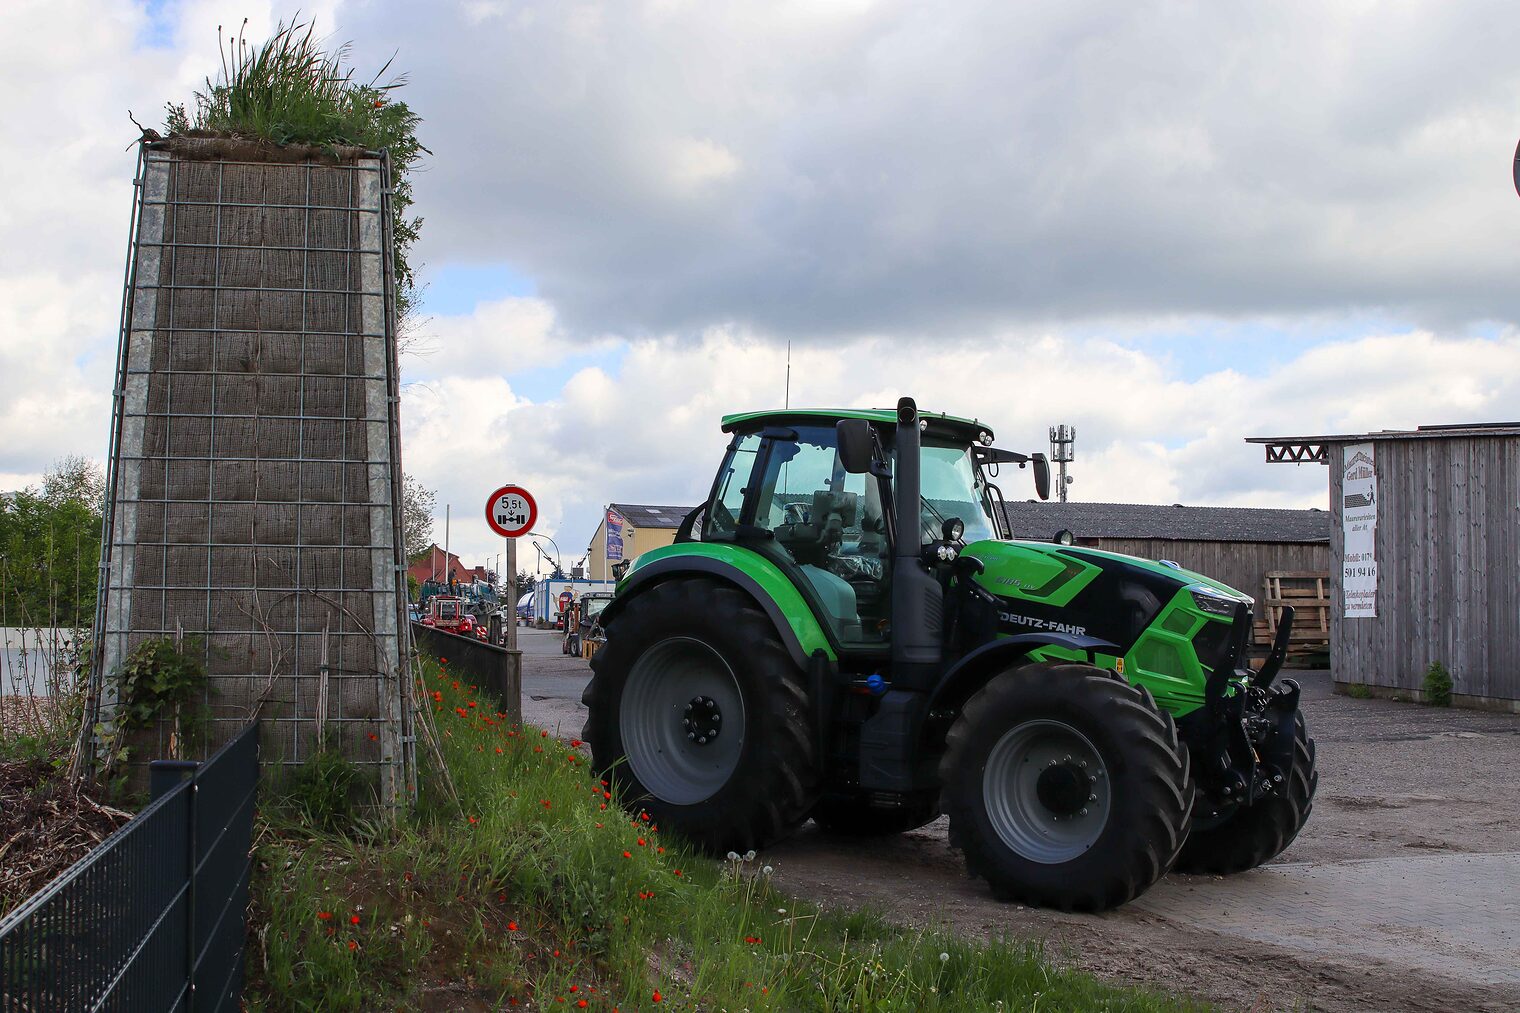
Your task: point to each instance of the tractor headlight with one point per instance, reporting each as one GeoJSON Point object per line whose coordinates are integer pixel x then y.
{"type": "Point", "coordinates": [1212, 602]}
{"type": "Point", "coordinates": [984, 438]}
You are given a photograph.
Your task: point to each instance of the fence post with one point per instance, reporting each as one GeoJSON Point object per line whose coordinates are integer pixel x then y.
{"type": "Point", "coordinates": [162, 776]}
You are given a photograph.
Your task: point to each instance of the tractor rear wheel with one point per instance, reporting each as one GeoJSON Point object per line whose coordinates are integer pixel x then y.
{"type": "Point", "coordinates": [1251, 835]}
{"type": "Point", "coordinates": [853, 817]}
{"type": "Point", "coordinates": [1066, 787]}
{"type": "Point", "coordinates": [700, 715]}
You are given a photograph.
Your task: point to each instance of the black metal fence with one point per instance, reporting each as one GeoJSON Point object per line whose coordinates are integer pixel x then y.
{"type": "Point", "coordinates": [153, 919]}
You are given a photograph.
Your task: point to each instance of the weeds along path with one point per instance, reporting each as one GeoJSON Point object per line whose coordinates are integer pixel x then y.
{"type": "Point", "coordinates": [1394, 897]}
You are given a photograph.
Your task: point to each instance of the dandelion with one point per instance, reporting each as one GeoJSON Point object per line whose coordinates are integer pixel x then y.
{"type": "Point", "coordinates": [749, 856]}
{"type": "Point", "coordinates": [764, 871]}
{"type": "Point", "coordinates": [733, 856]}
{"type": "Point", "coordinates": [943, 957]}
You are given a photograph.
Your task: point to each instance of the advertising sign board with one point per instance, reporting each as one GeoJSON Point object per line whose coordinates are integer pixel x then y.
{"type": "Point", "coordinates": [1359, 528]}
{"type": "Point", "coordinates": [614, 536]}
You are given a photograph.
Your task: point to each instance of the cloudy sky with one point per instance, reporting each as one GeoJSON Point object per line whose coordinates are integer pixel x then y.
{"type": "Point", "coordinates": [1171, 225]}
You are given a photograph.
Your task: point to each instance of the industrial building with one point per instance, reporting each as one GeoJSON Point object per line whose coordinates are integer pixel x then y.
{"type": "Point", "coordinates": [627, 529]}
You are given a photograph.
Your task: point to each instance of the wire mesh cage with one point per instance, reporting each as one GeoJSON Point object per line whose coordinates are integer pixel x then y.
{"type": "Point", "coordinates": [255, 461]}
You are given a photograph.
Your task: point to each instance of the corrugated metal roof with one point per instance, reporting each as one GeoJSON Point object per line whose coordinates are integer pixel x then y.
{"type": "Point", "coordinates": [1466, 430]}
{"type": "Point", "coordinates": [1040, 521]}
{"type": "Point", "coordinates": [642, 515]}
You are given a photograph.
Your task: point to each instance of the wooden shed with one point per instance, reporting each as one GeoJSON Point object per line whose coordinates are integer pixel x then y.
{"type": "Point", "coordinates": [1272, 555]}
{"type": "Point", "coordinates": [1425, 531]}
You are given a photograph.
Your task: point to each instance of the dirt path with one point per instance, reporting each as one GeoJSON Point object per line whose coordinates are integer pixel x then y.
{"type": "Point", "coordinates": [1403, 892]}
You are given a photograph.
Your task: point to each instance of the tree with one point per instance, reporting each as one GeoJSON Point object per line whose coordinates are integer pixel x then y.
{"type": "Point", "coordinates": [50, 547]}
{"type": "Point", "coordinates": [417, 505]}
{"type": "Point", "coordinates": [74, 478]}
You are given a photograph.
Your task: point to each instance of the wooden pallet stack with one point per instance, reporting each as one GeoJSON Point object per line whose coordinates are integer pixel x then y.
{"type": "Point", "coordinates": [1307, 591]}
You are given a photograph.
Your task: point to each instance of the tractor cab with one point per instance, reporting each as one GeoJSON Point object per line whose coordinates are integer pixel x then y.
{"type": "Point", "coordinates": [785, 491]}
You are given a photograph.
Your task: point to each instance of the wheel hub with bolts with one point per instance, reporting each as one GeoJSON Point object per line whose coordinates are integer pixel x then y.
{"type": "Point", "coordinates": [1065, 788]}
{"type": "Point", "coordinates": [1046, 791]}
{"type": "Point", "coordinates": [702, 720]}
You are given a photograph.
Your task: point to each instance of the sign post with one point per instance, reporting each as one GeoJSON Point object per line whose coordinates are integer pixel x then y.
{"type": "Point", "coordinates": [511, 512]}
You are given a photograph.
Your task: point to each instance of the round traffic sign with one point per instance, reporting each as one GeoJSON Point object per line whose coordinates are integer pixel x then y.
{"type": "Point", "coordinates": [511, 511]}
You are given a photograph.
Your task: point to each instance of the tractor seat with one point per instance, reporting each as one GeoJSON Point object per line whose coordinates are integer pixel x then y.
{"type": "Point", "coordinates": [838, 597]}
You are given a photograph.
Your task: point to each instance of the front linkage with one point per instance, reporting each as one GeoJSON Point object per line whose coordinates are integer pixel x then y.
{"type": "Point", "coordinates": [1242, 739]}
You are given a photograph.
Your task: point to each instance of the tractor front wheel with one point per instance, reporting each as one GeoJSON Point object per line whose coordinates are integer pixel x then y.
{"type": "Point", "coordinates": [1066, 787]}
{"type": "Point", "coordinates": [699, 714]}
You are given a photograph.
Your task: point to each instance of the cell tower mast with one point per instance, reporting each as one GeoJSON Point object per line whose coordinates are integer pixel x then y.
{"type": "Point", "coordinates": [1062, 452]}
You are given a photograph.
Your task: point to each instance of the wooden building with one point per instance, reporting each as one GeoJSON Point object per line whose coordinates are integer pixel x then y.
{"type": "Point", "coordinates": [1275, 556]}
{"type": "Point", "coordinates": [1441, 577]}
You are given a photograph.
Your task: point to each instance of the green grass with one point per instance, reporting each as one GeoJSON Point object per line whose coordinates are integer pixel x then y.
{"type": "Point", "coordinates": [290, 89]}
{"type": "Point", "coordinates": [539, 888]}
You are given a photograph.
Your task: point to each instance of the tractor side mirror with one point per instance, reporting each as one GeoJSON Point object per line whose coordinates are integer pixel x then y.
{"type": "Point", "coordinates": [855, 445]}
{"type": "Point", "coordinates": [1041, 475]}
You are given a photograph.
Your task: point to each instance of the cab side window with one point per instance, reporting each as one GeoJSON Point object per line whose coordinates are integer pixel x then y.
{"type": "Point", "coordinates": [728, 498]}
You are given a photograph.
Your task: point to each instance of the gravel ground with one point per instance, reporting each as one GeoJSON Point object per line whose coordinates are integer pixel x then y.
{"type": "Point", "coordinates": [1402, 892]}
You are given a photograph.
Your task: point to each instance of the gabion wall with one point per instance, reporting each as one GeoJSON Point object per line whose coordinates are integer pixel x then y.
{"type": "Point", "coordinates": [255, 472]}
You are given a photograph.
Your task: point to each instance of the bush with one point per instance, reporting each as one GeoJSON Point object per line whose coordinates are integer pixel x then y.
{"type": "Point", "coordinates": [1438, 685]}
{"type": "Point", "coordinates": [1359, 691]}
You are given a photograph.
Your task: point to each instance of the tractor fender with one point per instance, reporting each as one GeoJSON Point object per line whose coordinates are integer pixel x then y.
{"type": "Point", "coordinates": [685, 565]}
{"type": "Point", "coordinates": [969, 673]}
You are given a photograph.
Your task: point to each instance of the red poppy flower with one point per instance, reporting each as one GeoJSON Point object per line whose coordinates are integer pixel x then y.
{"type": "Point", "coordinates": [437, 696]}
{"type": "Point", "coordinates": [474, 820]}
{"type": "Point", "coordinates": [352, 945]}
{"type": "Point", "coordinates": [627, 854]}
{"type": "Point", "coordinates": [677, 872]}
{"type": "Point", "coordinates": [575, 988]}
{"type": "Point", "coordinates": [324, 915]}
{"type": "Point", "coordinates": [543, 734]}
{"type": "Point", "coordinates": [641, 842]}
{"type": "Point", "coordinates": [373, 737]}
{"type": "Point", "coordinates": [752, 940]}
{"type": "Point", "coordinates": [575, 743]}
{"type": "Point", "coordinates": [544, 802]}
{"type": "Point", "coordinates": [353, 920]}
{"type": "Point", "coordinates": [511, 926]}
{"type": "Point", "coordinates": [582, 1004]}
{"type": "Point", "coordinates": [657, 997]}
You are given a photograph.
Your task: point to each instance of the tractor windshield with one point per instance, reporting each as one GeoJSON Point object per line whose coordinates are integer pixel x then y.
{"type": "Point", "coordinates": [953, 486]}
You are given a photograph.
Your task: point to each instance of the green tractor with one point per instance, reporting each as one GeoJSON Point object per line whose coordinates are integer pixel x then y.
{"type": "Point", "coordinates": [843, 632]}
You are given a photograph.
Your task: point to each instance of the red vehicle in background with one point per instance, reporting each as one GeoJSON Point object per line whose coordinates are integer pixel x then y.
{"type": "Point", "coordinates": [446, 612]}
